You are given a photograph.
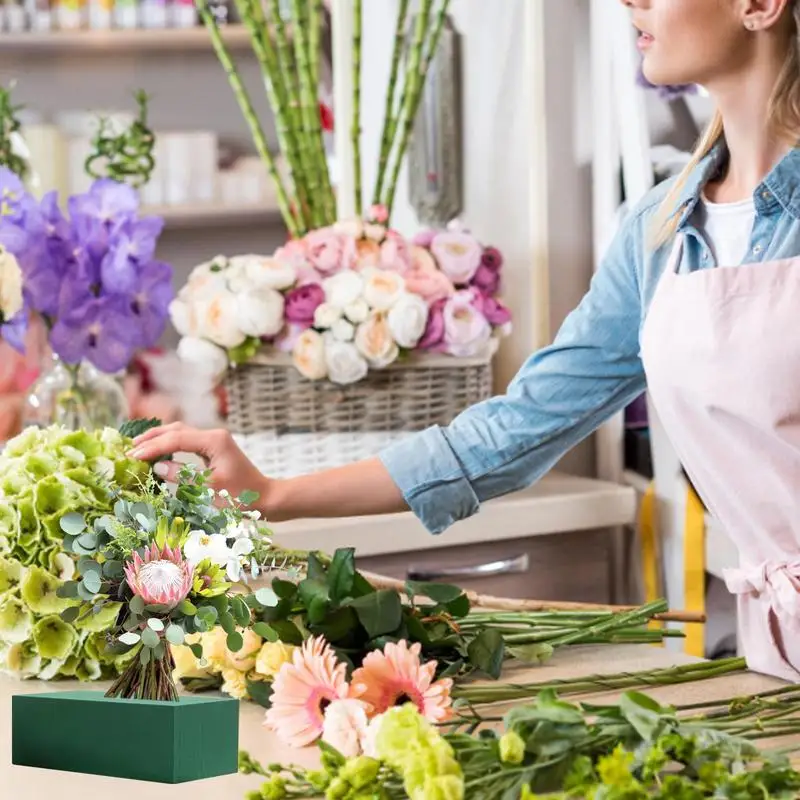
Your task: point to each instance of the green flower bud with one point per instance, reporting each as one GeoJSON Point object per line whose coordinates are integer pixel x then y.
{"type": "Point", "coordinates": [512, 748]}
{"type": "Point", "coordinates": [319, 780]}
{"type": "Point", "coordinates": [337, 790]}
{"type": "Point", "coordinates": [274, 788]}
{"type": "Point", "coordinates": [360, 772]}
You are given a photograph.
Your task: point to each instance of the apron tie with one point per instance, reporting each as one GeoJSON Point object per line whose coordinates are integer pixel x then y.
{"type": "Point", "coordinates": [778, 581]}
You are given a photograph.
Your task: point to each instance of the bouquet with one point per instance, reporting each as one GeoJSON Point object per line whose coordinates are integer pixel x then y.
{"type": "Point", "coordinates": [345, 299]}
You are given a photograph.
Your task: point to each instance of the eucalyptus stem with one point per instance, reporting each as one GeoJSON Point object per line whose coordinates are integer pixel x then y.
{"type": "Point", "coordinates": [414, 101]}
{"type": "Point", "coordinates": [637, 616]}
{"type": "Point", "coordinates": [389, 119]}
{"type": "Point", "coordinates": [249, 113]}
{"type": "Point", "coordinates": [355, 128]}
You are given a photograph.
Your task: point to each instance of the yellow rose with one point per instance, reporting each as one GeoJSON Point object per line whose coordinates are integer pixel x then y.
{"type": "Point", "coordinates": [234, 683]}
{"type": "Point", "coordinates": [186, 665]}
{"type": "Point", "coordinates": [214, 647]}
{"type": "Point", "coordinates": [272, 656]}
{"type": "Point", "coordinates": [245, 659]}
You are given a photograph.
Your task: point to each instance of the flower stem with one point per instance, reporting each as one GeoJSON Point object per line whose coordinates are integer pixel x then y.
{"type": "Point", "coordinates": [355, 127]}
{"type": "Point", "coordinates": [150, 681]}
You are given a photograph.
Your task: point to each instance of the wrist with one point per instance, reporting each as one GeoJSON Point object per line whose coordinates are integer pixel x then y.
{"type": "Point", "coordinates": [272, 500]}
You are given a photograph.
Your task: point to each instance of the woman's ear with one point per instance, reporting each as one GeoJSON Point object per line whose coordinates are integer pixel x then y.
{"type": "Point", "coordinates": [761, 15]}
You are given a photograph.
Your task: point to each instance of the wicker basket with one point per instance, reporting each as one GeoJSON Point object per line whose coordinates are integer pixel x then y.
{"type": "Point", "coordinates": [289, 425]}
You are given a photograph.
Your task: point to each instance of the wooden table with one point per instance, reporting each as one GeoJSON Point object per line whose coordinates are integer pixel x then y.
{"type": "Point", "coordinates": [31, 784]}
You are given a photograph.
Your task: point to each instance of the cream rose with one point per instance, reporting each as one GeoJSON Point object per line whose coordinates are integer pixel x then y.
{"type": "Point", "coordinates": [260, 313]}
{"type": "Point", "coordinates": [204, 355]}
{"type": "Point", "coordinates": [358, 311]}
{"type": "Point", "coordinates": [343, 289]}
{"type": "Point", "coordinates": [266, 272]}
{"type": "Point", "coordinates": [10, 285]}
{"type": "Point", "coordinates": [343, 331]}
{"type": "Point", "coordinates": [344, 362]}
{"type": "Point", "coordinates": [218, 319]}
{"type": "Point", "coordinates": [206, 279]}
{"type": "Point", "coordinates": [309, 355]}
{"type": "Point", "coordinates": [407, 320]}
{"type": "Point", "coordinates": [374, 341]}
{"type": "Point", "coordinates": [382, 288]}
{"type": "Point", "coordinates": [326, 314]}
{"type": "Point", "coordinates": [183, 317]}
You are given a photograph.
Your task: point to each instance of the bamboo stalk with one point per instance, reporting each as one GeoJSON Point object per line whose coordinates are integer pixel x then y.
{"type": "Point", "coordinates": [511, 604]}
{"type": "Point", "coordinates": [414, 101]}
{"type": "Point", "coordinates": [355, 127]}
{"type": "Point", "coordinates": [309, 110]}
{"type": "Point", "coordinates": [326, 199]}
{"type": "Point", "coordinates": [389, 118]}
{"type": "Point", "coordinates": [252, 16]}
{"type": "Point", "coordinates": [314, 38]}
{"type": "Point", "coordinates": [249, 113]}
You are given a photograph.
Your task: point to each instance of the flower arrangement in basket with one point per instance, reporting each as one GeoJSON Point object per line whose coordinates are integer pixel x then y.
{"type": "Point", "coordinates": [343, 297]}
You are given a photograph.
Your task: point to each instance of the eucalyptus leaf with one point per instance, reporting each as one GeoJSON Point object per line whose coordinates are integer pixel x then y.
{"type": "Point", "coordinates": [92, 583]}
{"type": "Point", "coordinates": [70, 614]}
{"type": "Point", "coordinates": [267, 597]}
{"type": "Point", "coordinates": [380, 612]}
{"type": "Point", "coordinates": [136, 604]}
{"type": "Point", "coordinates": [144, 656]}
{"type": "Point", "coordinates": [197, 649]}
{"type": "Point", "coordinates": [130, 638]}
{"type": "Point", "coordinates": [72, 524]}
{"type": "Point", "coordinates": [187, 608]}
{"type": "Point", "coordinates": [266, 632]}
{"type": "Point", "coordinates": [174, 635]}
{"type": "Point", "coordinates": [149, 638]}
{"type": "Point", "coordinates": [235, 642]}
{"type": "Point", "coordinates": [85, 594]}
{"type": "Point", "coordinates": [248, 497]}
{"type": "Point", "coordinates": [155, 624]}
{"type": "Point", "coordinates": [146, 523]}
{"type": "Point", "coordinates": [159, 651]}
{"type": "Point", "coordinates": [113, 569]}
{"type": "Point", "coordinates": [88, 541]}
{"type": "Point", "coordinates": [486, 652]}
{"type": "Point", "coordinates": [68, 590]}
{"type": "Point", "coordinates": [87, 564]}
{"type": "Point", "coordinates": [240, 611]}
{"type": "Point", "coordinates": [227, 622]}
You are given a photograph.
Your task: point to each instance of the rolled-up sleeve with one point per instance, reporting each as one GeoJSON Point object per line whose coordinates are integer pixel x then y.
{"type": "Point", "coordinates": [560, 395]}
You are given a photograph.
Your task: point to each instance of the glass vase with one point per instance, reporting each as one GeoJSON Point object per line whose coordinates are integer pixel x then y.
{"type": "Point", "coordinates": [78, 397]}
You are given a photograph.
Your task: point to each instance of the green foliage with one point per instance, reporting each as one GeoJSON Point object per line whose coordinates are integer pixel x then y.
{"type": "Point", "coordinates": [9, 130]}
{"type": "Point", "coordinates": [136, 427]}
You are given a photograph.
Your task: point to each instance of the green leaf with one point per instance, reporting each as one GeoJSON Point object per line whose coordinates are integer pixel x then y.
{"type": "Point", "coordinates": [643, 713]}
{"type": "Point", "coordinates": [88, 541]}
{"type": "Point", "coordinates": [149, 638]}
{"type": "Point", "coordinates": [92, 583]}
{"type": "Point", "coordinates": [341, 574]}
{"type": "Point", "coordinates": [265, 631]}
{"type": "Point", "coordinates": [72, 523]}
{"type": "Point", "coordinates": [240, 611]}
{"type": "Point", "coordinates": [227, 622]}
{"type": "Point", "coordinates": [144, 656]}
{"type": "Point", "coordinates": [453, 670]}
{"type": "Point", "coordinates": [187, 608]}
{"type": "Point", "coordinates": [267, 597]}
{"type": "Point", "coordinates": [136, 427]}
{"type": "Point", "coordinates": [314, 596]}
{"type": "Point", "coordinates": [174, 635]}
{"type": "Point", "coordinates": [438, 592]}
{"type": "Point", "coordinates": [331, 755]}
{"type": "Point", "coordinates": [155, 624]}
{"type": "Point", "coordinates": [248, 497]}
{"type": "Point", "coordinates": [130, 638]}
{"type": "Point", "coordinates": [70, 614]}
{"type": "Point", "coordinates": [113, 570]}
{"type": "Point", "coordinates": [260, 692]}
{"type": "Point", "coordinates": [235, 642]}
{"type": "Point", "coordinates": [197, 649]}
{"type": "Point", "coordinates": [84, 594]}
{"type": "Point", "coordinates": [286, 590]}
{"type": "Point", "coordinates": [314, 569]}
{"type": "Point", "coordinates": [287, 631]}
{"type": "Point", "coordinates": [361, 586]}
{"type": "Point", "coordinates": [459, 607]}
{"type": "Point", "coordinates": [536, 653]}
{"type": "Point", "coordinates": [136, 605]}
{"type": "Point", "coordinates": [68, 591]}
{"type": "Point", "coordinates": [88, 564]}
{"type": "Point", "coordinates": [379, 612]}
{"type": "Point", "coordinates": [159, 651]}
{"type": "Point", "coordinates": [337, 625]}
{"type": "Point", "coordinates": [486, 652]}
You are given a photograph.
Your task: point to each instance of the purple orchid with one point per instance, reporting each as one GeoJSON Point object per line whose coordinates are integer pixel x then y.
{"type": "Point", "coordinates": [150, 301]}
{"type": "Point", "coordinates": [14, 330]}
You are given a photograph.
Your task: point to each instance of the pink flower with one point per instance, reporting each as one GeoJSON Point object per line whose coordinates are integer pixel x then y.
{"type": "Point", "coordinates": [395, 253]}
{"type": "Point", "coordinates": [325, 250]}
{"type": "Point", "coordinates": [434, 331]}
{"type": "Point", "coordinates": [162, 577]}
{"type": "Point", "coordinates": [424, 238]}
{"type": "Point", "coordinates": [466, 329]}
{"type": "Point", "coordinates": [302, 690]}
{"type": "Point", "coordinates": [486, 279]}
{"type": "Point", "coordinates": [345, 726]}
{"type": "Point", "coordinates": [495, 312]}
{"type": "Point", "coordinates": [288, 337]}
{"type": "Point", "coordinates": [301, 303]}
{"type": "Point", "coordinates": [428, 282]}
{"type": "Point", "coordinates": [293, 252]}
{"type": "Point", "coordinates": [396, 676]}
{"type": "Point", "coordinates": [492, 258]}
{"type": "Point", "coordinates": [378, 213]}
{"type": "Point", "coordinates": [361, 254]}
{"type": "Point", "coordinates": [458, 255]}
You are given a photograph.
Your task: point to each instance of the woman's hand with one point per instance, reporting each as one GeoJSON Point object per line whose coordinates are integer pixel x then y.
{"type": "Point", "coordinates": [230, 467]}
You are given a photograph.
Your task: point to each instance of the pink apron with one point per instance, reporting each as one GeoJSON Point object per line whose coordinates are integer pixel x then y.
{"type": "Point", "coordinates": [721, 351]}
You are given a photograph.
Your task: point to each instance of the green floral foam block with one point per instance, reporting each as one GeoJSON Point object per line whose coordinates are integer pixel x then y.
{"type": "Point", "coordinates": [145, 740]}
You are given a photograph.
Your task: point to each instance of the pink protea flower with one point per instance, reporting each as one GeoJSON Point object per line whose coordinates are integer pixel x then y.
{"type": "Point", "coordinates": [303, 689]}
{"type": "Point", "coordinates": [162, 577]}
{"type": "Point", "coordinates": [396, 676]}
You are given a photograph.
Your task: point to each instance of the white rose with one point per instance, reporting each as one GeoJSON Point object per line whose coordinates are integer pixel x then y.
{"type": "Point", "coordinates": [343, 330]}
{"type": "Point", "coordinates": [10, 285]}
{"type": "Point", "coordinates": [382, 288]}
{"type": "Point", "coordinates": [358, 311]}
{"type": "Point", "coordinates": [218, 319]}
{"type": "Point", "coordinates": [344, 362]}
{"type": "Point", "coordinates": [343, 288]}
{"type": "Point", "coordinates": [207, 279]}
{"type": "Point", "coordinates": [350, 227]}
{"type": "Point", "coordinates": [266, 272]}
{"type": "Point", "coordinates": [407, 320]}
{"type": "Point", "coordinates": [309, 355]}
{"type": "Point", "coordinates": [202, 354]}
{"type": "Point", "coordinates": [374, 341]}
{"type": "Point", "coordinates": [326, 314]}
{"type": "Point", "coordinates": [183, 317]}
{"type": "Point", "coordinates": [237, 281]}
{"type": "Point", "coordinates": [261, 312]}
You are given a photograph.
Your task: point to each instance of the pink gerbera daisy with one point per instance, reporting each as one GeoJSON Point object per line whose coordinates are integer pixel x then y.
{"type": "Point", "coordinates": [303, 689]}
{"type": "Point", "coordinates": [396, 676]}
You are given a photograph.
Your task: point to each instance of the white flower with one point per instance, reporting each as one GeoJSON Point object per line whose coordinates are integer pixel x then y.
{"type": "Point", "coordinates": [350, 227]}
{"type": "Point", "coordinates": [237, 557]}
{"type": "Point", "coordinates": [357, 311]}
{"type": "Point", "coordinates": [343, 288]}
{"type": "Point", "coordinates": [326, 314]}
{"type": "Point", "coordinates": [10, 285]}
{"type": "Point", "coordinates": [369, 741]}
{"type": "Point", "coordinates": [183, 318]}
{"type": "Point", "coordinates": [407, 320]}
{"type": "Point", "coordinates": [343, 330]}
{"type": "Point", "coordinates": [218, 319]}
{"type": "Point", "coordinates": [201, 545]}
{"type": "Point", "coordinates": [375, 342]}
{"type": "Point", "coordinates": [204, 355]}
{"type": "Point", "coordinates": [260, 312]}
{"type": "Point", "coordinates": [266, 272]}
{"type": "Point", "coordinates": [375, 231]}
{"type": "Point", "coordinates": [309, 355]}
{"type": "Point", "coordinates": [344, 362]}
{"type": "Point", "coordinates": [344, 726]}
{"type": "Point", "coordinates": [206, 279]}
{"type": "Point", "coordinates": [382, 288]}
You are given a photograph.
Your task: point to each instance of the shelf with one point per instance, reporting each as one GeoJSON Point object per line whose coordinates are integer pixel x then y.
{"type": "Point", "coordinates": [556, 504]}
{"type": "Point", "coordinates": [214, 215]}
{"type": "Point", "coordinates": [115, 42]}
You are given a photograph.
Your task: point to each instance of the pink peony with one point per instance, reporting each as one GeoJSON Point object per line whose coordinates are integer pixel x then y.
{"type": "Point", "coordinates": [486, 279]}
{"type": "Point", "coordinates": [424, 238]}
{"type": "Point", "coordinates": [378, 213]}
{"type": "Point", "coordinates": [458, 255]}
{"type": "Point", "coordinates": [466, 329]}
{"type": "Point", "coordinates": [492, 258]}
{"type": "Point", "coordinates": [433, 337]}
{"type": "Point", "coordinates": [395, 253]}
{"type": "Point", "coordinates": [430, 284]}
{"type": "Point", "coordinates": [301, 303]}
{"type": "Point", "coordinates": [326, 250]}
{"type": "Point", "coordinates": [495, 312]}
{"type": "Point", "coordinates": [360, 254]}
{"type": "Point", "coordinates": [293, 252]}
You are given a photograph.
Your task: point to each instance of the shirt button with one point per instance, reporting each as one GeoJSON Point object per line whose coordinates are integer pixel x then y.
{"type": "Point", "coordinates": [765, 195]}
{"type": "Point", "coordinates": [705, 256]}
{"type": "Point", "coordinates": [757, 249]}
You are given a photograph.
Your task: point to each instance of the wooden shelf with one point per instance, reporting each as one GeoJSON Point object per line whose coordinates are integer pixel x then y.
{"type": "Point", "coordinates": [213, 215]}
{"type": "Point", "coordinates": [115, 42]}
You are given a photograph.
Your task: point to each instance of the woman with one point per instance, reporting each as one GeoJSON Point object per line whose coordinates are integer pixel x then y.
{"type": "Point", "coordinates": [699, 295]}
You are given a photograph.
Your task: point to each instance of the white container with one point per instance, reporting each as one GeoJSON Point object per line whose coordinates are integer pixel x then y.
{"type": "Point", "coordinates": [153, 193]}
{"type": "Point", "coordinates": [48, 159]}
{"type": "Point", "coordinates": [183, 14]}
{"type": "Point", "coordinates": [178, 169]}
{"type": "Point", "coordinates": [40, 15]}
{"type": "Point", "coordinates": [101, 14]}
{"type": "Point", "coordinates": [71, 15]}
{"type": "Point", "coordinates": [154, 14]}
{"type": "Point", "coordinates": [126, 14]}
{"type": "Point", "coordinates": [203, 148]}
{"type": "Point", "coordinates": [14, 18]}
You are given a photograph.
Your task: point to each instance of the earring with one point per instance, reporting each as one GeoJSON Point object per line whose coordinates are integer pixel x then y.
{"type": "Point", "coordinates": [750, 25]}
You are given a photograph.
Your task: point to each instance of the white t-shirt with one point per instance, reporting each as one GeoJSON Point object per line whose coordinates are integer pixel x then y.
{"type": "Point", "coordinates": [727, 228]}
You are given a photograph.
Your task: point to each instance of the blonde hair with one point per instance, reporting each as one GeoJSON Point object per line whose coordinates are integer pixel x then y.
{"type": "Point", "coordinates": [784, 117]}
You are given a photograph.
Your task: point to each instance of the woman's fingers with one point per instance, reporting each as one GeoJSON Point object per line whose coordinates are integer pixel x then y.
{"type": "Point", "coordinates": [168, 470]}
{"type": "Point", "coordinates": [174, 440]}
{"type": "Point", "coordinates": [151, 433]}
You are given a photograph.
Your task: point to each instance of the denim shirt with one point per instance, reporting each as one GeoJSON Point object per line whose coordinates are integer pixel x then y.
{"type": "Point", "coordinates": [592, 370]}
